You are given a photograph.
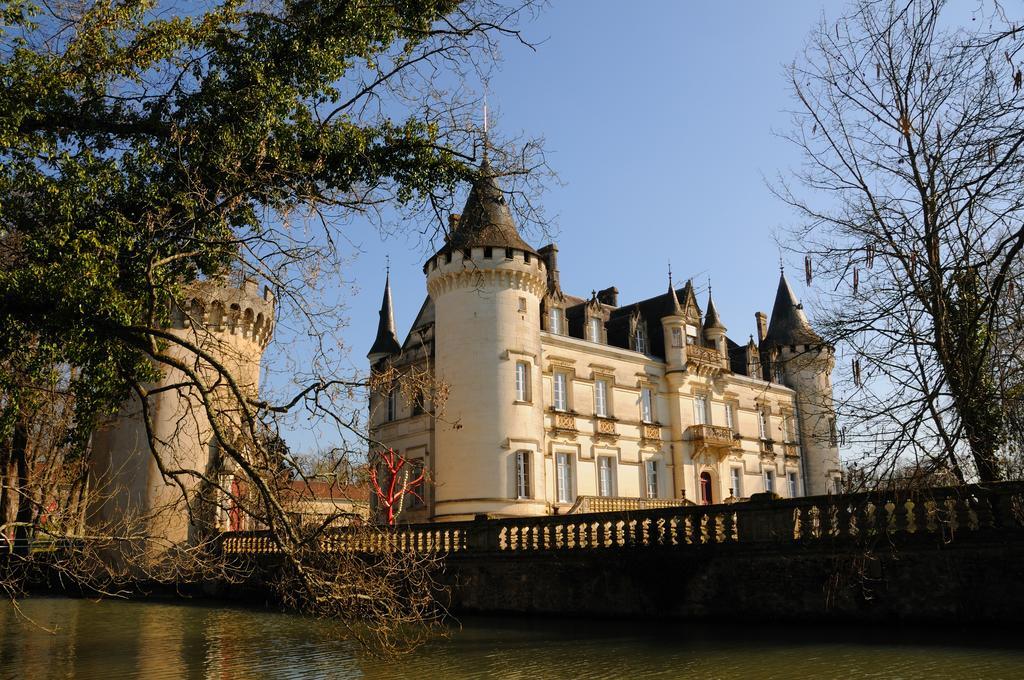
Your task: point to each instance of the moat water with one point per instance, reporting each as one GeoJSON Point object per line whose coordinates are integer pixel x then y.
{"type": "Point", "coordinates": [61, 638]}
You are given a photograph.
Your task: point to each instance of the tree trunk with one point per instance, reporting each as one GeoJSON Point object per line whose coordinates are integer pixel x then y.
{"type": "Point", "coordinates": [22, 495]}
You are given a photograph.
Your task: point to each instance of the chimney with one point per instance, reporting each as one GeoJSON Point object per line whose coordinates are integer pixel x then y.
{"type": "Point", "coordinates": [453, 224]}
{"type": "Point", "coordinates": [609, 296]}
{"type": "Point", "coordinates": [762, 326]}
{"type": "Point", "coordinates": [550, 255]}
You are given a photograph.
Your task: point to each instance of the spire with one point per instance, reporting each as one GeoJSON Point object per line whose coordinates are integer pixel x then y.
{"type": "Point", "coordinates": [711, 319]}
{"type": "Point", "coordinates": [387, 339]}
{"type": "Point", "coordinates": [789, 324]}
{"type": "Point", "coordinates": [672, 306]}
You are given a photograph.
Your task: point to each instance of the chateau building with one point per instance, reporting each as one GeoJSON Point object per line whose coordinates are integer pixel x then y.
{"type": "Point", "coordinates": [556, 403]}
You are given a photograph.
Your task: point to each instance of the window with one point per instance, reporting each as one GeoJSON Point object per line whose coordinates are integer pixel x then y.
{"type": "Point", "coordinates": [700, 410]}
{"type": "Point", "coordinates": [393, 404]}
{"type": "Point", "coordinates": [640, 338]}
{"type": "Point", "coordinates": [730, 420]}
{"type": "Point", "coordinates": [677, 337]}
{"type": "Point", "coordinates": [488, 252]}
{"type": "Point", "coordinates": [522, 381]}
{"type": "Point", "coordinates": [762, 423]}
{"type": "Point", "coordinates": [522, 305]}
{"type": "Point", "coordinates": [734, 476]}
{"type": "Point", "coordinates": [769, 481]}
{"type": "Point", "coordinates": [837, 483]}
{"type": "Point", "coordinates": [601, 398]}
{"type": "Point", "coordinates": [413, 472]}
{"type": "Point", "coordinates": [789, 422]}
{"type": "Point", "coordinates": [563, 477]}
{"type": "Point", "coordinates": [522, 474]}
{"type": "Point", "coordinates": [555, 317]}
{"type": "Point", "coordinates": [594, 329]}
{"type": "Point", "coordinates": [646, 405]}
{"type": "Point", "coordinates": [561, 397]}
{"type": "Point", "coordinates": [604, 476]}
{"type": "Point", "coordinates": [832, 439]}
{"type": "Point", "coordinates": [794, 488]}
{"type": "Point", "coordinates": [691, 334]}
{"type": "Point", "coordinates": [651, 478]}
{"type": "Point", "coordinates": [779, 375]}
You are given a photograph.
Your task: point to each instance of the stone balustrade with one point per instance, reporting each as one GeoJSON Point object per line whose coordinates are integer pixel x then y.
{"type": "Point", "coordinates": [703, 355]}
{"type": "Point", "coordinates": [591, 504]}
{"type": "Point", "coordinates": [711, 435]}
{"type": "Point", "coordinates": [650, 432]}
{"type": "Point", "coordinates": [564, 421]}
{"type": "Point", "coordinates": [940, 512]}
{"type": "Point", "coordinates": [606, 426]}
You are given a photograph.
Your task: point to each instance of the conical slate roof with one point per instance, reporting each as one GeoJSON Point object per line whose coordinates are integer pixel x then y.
{"type": "Point", "coordinates": [486, 220]}
{"type": "Point", "coordinates": [789, 324]}
{"type": "Point", "coordinates": [671, 306]}
{"type": "Point", "coordinates": [711, 319]}
{"type": "Point", "coordinates": [387, 339]}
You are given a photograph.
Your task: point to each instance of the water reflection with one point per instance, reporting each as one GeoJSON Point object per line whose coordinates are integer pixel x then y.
{"type": "Point", "coordinates": [149, 640]}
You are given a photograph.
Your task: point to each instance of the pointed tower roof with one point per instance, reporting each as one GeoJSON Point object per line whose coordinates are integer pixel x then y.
{"type": "Point", "coordinates": [789, 324]}
{"type": "Point", "coordinates": [486, 220]}
{"type": "Point", "coordinates": [387, 339]}
{"type": "Point", "coordinates": [711, 319]}
{"type": "Point", "coordinates": [671, 306]}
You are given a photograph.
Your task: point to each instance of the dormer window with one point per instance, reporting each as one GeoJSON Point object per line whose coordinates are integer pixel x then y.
{"type": "Point", "coordinates": [691, 334]}
{"type": "Point", "coordinates": [556, 321]}
{"type": "Point", "coordinates": [594, 329]}
{"type": "Point", "coordinates": [640, 339]}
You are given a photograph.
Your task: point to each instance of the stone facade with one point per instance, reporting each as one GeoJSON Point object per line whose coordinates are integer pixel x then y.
{"type": "Point", "coordinates": [555, 402]}
{"type": "Point", "coordinates": [131, 494]}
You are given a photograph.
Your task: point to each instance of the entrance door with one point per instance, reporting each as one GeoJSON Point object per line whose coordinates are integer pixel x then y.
{"type": "Point", "coordinates": [705, 488]}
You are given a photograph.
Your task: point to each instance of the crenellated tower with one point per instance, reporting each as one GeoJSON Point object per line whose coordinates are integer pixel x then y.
{"type": "Point", "coordinates": [486, 285]}
{"type": "Point", "coordinates": [792, 351]}
{"type": "Point", "coordinates": [131, 492]}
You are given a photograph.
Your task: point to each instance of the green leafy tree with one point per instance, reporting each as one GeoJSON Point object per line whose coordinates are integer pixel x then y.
{"type": "Point", "coordinates": [144, 147]}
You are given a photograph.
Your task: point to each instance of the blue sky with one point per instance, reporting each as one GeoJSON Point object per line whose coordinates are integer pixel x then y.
{"type": "Point", "coordinates": [659, 123]}
{"type": "Point", "coordinates": [658, 118]}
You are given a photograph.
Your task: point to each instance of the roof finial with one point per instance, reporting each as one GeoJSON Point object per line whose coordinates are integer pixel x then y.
{"type": "Point", "coordinates": [782, 264]}
{"type": "Point", "coordinates": [670, 273]}
{"type": "Point", "coordinates": [709, 286]}
{"type": "Point", "coordinates": [387, 266]}
{"type": "Point", "coordinates": [486, 140]}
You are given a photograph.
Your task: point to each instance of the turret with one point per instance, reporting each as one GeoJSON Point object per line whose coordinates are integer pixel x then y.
{"type": "Point", "coordinates": [487, 284]}
{"type": "Point", "coordinates": [806, 363]}
{"type": "Point", "coordinates": [231, 323]}
{"type": "Point", "coordinates": [386, 342]}
{"type": "Point", "coordinates": [673, 324]}
{"type": "Point", "coordinates": [714, 329]}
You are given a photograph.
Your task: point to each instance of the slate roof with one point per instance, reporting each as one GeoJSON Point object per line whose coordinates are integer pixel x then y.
{"type": "Point", "coordinates": [386, 341]}
{"type": "Point", "coordinates": [486, 220]}
{"type": "Point", "coordinates": [789, 324]}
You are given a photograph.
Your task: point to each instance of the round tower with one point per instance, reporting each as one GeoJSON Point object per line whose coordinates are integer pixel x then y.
{"type": "Point", "coordinates": [487, 284]}
{"type": "Point", "coordinates": [806, 363]}
{"type": "Point", "coordinates": [131, 493]}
